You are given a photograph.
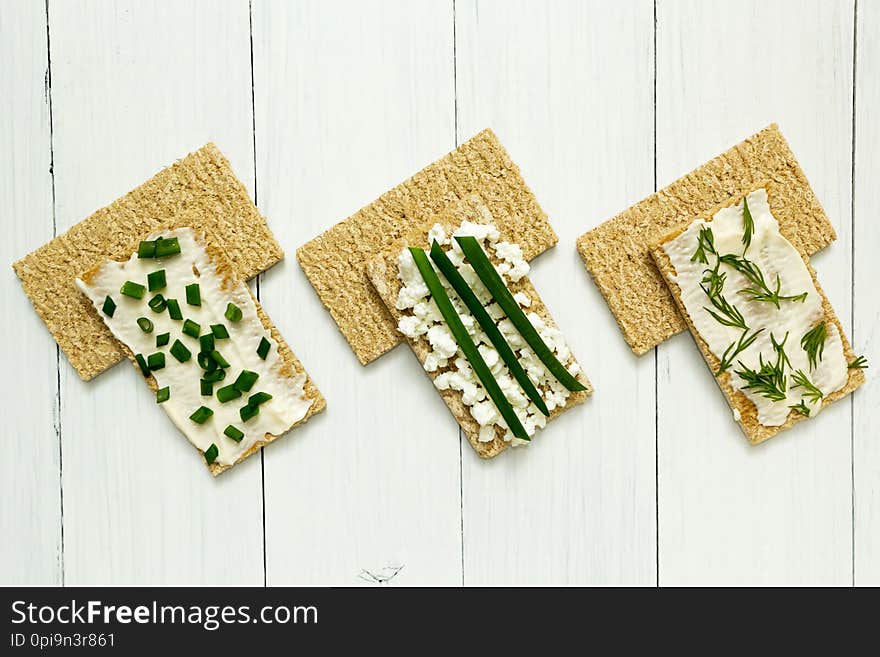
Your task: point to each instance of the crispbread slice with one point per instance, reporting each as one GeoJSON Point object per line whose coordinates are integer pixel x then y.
{"type": "Point", "coordinates": [200, 190]}
{"type": "Point", "coordinates": [754, 431]}
{"type": "Point", "coordinates": [292, 368]}
{"type": "Point", "coordinates": [383, 273]}
{"type": "Point", "coordinates": [617, 253]}
{"type": "Point", "coordinates": [335, 261]}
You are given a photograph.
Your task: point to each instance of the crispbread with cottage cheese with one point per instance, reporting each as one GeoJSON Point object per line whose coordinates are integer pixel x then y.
{"type": "Point", "coordinates": [383, 273]}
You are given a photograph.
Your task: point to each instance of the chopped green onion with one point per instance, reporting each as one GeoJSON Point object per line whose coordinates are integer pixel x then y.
{"type": "Point", "coordinates": [147, 249]}
{"type": "Point", "coordinates": [233, 313]}
{"type": "Point", "coordinates": [248, 411]}
{"type": "Point", "coordinates": [233, 433]}
{"type": "Point", "coordinates": [142, 363]}
{"type": "Point", "coordinates": [156, 361]}
{"type": "Point", "coordinates": [167, 246]}
{"type": "Point", "coordinates": [162, 339]}
{"type": "Point", "coordinates": [174, 309]}
{"type": "Point", "coordinates": [191, 329]}
{"type": "Point", "coordinates": [193, 295]}
{"type": "Point", "coordinates": [211, 454]}
{"type": "Point", "coordinates": [488, 325]}
{"type": "Point", "coordinates": [163, 394]}
{"type": "Point", "coordinates": [263, 349]}
{"type": "Point", "coordinates": [459, 332]}
{"type": "Point", "coordinates": [206, 342]}
{"type": "Point", "coordinates": [218, 358]}
{"type": "Point", "coordinates": [133, 290]}
{"type": "Point", "coordinates": [228, 393]}
{"type": "Point", "coordinates": [201, 414]}
{"type": "Point", "coordinates": [259, 398]}
{"type": "Point", "coordinates": [180, 352]}
{"type": "Point", "coordinates": [206, 361]}
{"type": "Point", "coordinates": [206, 387]}
{"type": "Point", "coordinates": [219, 331]}
{"type": "Point", "coordinates": [109, 306]}
{"type": "Point", "coordinates": [157, 304]}
{"type": "Point", "coordinates": [156, 280]}
{"type": "Point", "coordinates": [145, 324]}
{"type": "Point", "coordinates": [214, 375]}
{"type": "Point", "coordinates": [493, 281]}
{"type": "Point", "coordinates": [246, 380]}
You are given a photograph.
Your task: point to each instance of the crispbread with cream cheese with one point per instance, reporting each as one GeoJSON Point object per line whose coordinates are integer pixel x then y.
{"type": "Point", "coordinates": [383, 273]}
{"type": "Point", "coordinates": [617, 255]}
{"type": "Point", "coordinates": [744, 409]}
{"type": "Point", "coordinates": [335, 261]}
{"type": "Point", "coordinates": [280, 373]}
{"type": "Point", "coordinates": [200, 190]}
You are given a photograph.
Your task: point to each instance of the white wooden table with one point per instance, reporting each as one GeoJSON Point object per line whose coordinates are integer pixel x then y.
{"type": "Point", "coordinates": [321, 106]}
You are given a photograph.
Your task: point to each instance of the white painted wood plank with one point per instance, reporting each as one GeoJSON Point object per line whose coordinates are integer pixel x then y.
{"type": "Point", "coordinates": [352, 98]}
{"type": "Point", "coordinates": [30, 487]}
{"type": "Point", "coordinates": [781, 512]}
{"type": "Point", "coordinates": [568, 88]}
{"type": "Point", "coordinates": [866, 334]}
{"type": "Point", "coordinates": [135, 86]}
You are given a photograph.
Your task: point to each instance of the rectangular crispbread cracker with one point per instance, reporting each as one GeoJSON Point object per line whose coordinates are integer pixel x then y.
{"type": "Point", "coordinates": [617, 252]}
{"type": "Point", "coordinates": [225, 269]}
{"type": "Point", "coordinates": [383, 274]}
{"type": "Point", "coordinates": [753, 430]}
{"type": "Point", "coordinates": [335, 261]}
{"type": "Point", "coordinates": [200, 190]}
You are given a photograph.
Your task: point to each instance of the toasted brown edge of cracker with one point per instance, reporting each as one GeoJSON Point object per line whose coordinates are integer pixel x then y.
{"type": "Point", "coordinates": [754, 431]}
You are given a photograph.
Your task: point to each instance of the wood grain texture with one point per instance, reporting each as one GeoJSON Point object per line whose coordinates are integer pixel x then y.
{"type": "Point", "coordinates": [780, 512]}
{"type": "Point", "coordinates": [866, 300]}
{"type": "Point", "coordinates": [30, 483]}
{"type": "Point", "coordinates": [577, 506]}
{"type": "Point", "coordinates": [135, 85]}
{"type": "Point", "coordinates": [360, 98]}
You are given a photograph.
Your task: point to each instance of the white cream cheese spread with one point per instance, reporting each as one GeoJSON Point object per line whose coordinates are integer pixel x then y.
{"type": "Point", "coordinates": [753, 301]}
{"type": "Point", "coordinates": [193, 264]}
{"type": "Point", "coordinates": [424, 321]}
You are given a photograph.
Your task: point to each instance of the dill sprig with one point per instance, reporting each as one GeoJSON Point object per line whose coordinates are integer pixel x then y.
{"type": "Point", "coordinates": [748, 225]}
{"type": "Point", "coordinates": [759, 291]}
{"type": "Point", "coordinates": [811, 392]}
{"type": "Point", "coordinates": [725, 313]}
{"type": "Point", "coordinates": [801, 408]}
{"type": "Point", "coordinates": [735, 349]}
{"type": "Point", "coordinates": [860, 363]}
{"type": "Point", "coordinates": [769, 379]}
{"type": "Point", "coordinates": [705, 244]}
{"type": "Point", "coordinates": [778, 347]}
{"type": "Point", "coordinates": [813, 343]}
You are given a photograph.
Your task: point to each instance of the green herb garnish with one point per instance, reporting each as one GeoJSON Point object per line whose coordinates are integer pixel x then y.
{"type": "Point", "coordinates": [191, 328]}
{"type": "Point", "coordinates": [180, 352]}
{"type": "Point", "coordinates": [494, 283]}
{"type": "Point", "coordinates": [206, 342]}
{"type": "Point", "coordinates": [145, 324]}
{"type": "Point", "coordinates": [813, 343]}
{"type": "Point", "coordinates": [215, 375]}
{"type": "Point", "coordinates": [142, 363]}
{"type": "Point", "coordinates": [259, 398]}
{"type": "Point", "coordinates": [811, 392]}
{"type": "Point", "coordinates": [459, 332]}
{"type": "Point", "coordinates": [219, 331]}
{"type": "Point", "coordinates": [248, 411]}
{"type": "Point", "coordinates": [163, 394]}
{"type": "Point", "coordinates": [218, 358]}
{"type": "Point", "coordinates": [860, 363]}
{"type": "Point", "coordinates": [156, 280]}
{"type": "Point", "coordinates": [201, 414]}
{"type": "Point", "coordinates": [233, 433]}
{"type": "Point", "coordinates": [174, 309]}
{"type": "Point", "coordinates": [157, 304]}
{"type": "Point", "coordinates": [263, 348]}
{"type": "Point", "coordinates": [156, 361]}
{"type": "Point", "coordinates": [759, 291]}
{"type": "Point", "coordinates": [167, 246]}
{"type": "Point", "coordinates": [162, 339]}
{"type": "Point", "coordinates": [705, 244]}
{"type": "Point", "coordinates": [748, 225]}
{"type": "Point", "coordinates": [147, 249]}
{"type": "Point", "coordinates": [211, 453]}
{"type": "Point", "coordinates": [769, 379]}
{"type": "Point", "coordinates": [206, 387]}
{"type": "Point", "coordinates": [726, 313]}
{"type": "Point", "coordinates": [487, 324]}
{"type": "Point", "coordinates": [801, 408]}
{"type": "Point", "coordinates": [735, 349]}
{"type": "Point", "coordinates": [228, 393]}
{"type": "Point", "coordinates": [133, 290]}
{"type": "Point", "coordinates": [246, 380]}
{"type": "Point", "coordinates": [233, 313]}
{"type": "Point", "coordinates": [193, 295]}
{"type": "Point", "coordinates": [109, 306]}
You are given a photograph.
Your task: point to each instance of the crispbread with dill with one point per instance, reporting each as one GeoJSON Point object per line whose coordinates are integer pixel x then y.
{"type": "Point", "coordinates": [200, 190]}
{"type": "Point", "coordinates": [335, 261]}
{"type": "Point", "coordinates": [290, 365]}
{"type": "Point", "coordinates": [383, 274]}
{"type": "Point", "coordinates": [617, 256]}
{"type": "Point", "coordinates": [754, 431]}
